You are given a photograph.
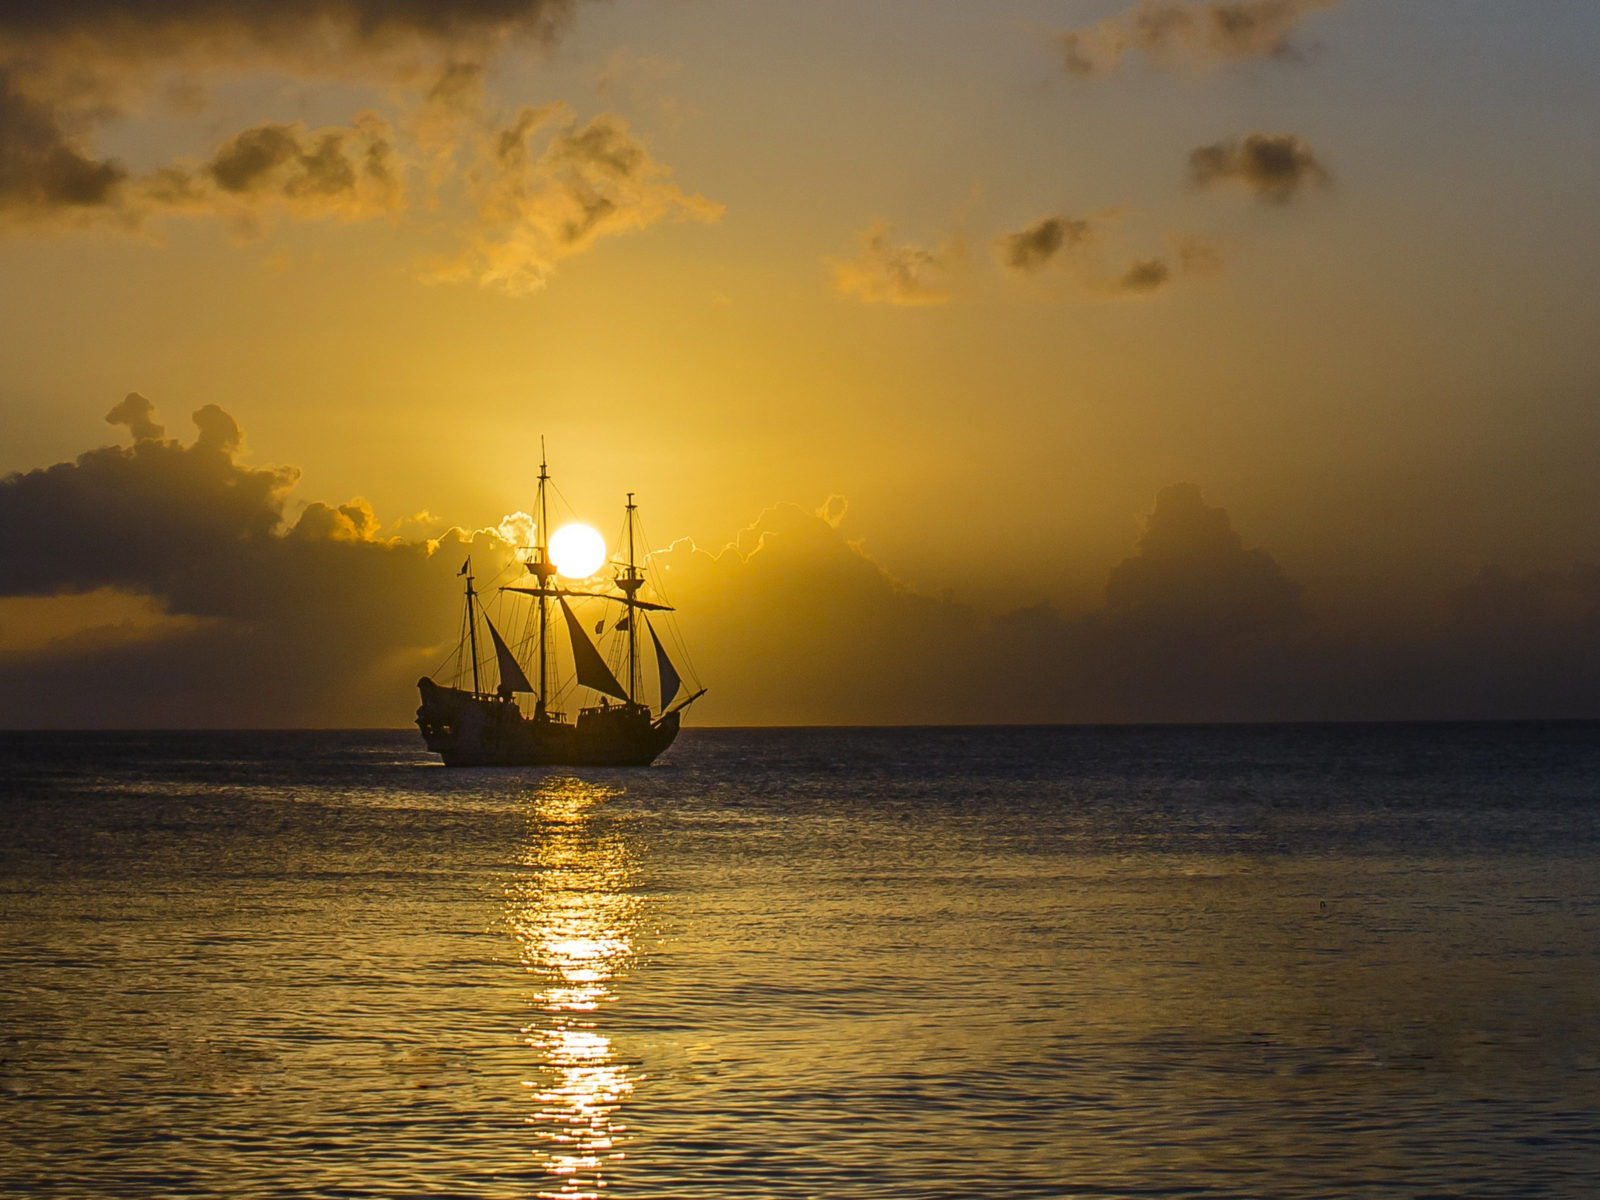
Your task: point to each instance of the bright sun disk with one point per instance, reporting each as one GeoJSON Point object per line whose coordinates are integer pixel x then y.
{"type": "Point", "coordinates": [577, 551]}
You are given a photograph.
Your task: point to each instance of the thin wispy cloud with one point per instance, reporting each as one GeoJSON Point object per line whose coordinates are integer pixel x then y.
{"type": "Point", "coordinates": [887, 271]}
{"type": "Point", "coordinates": [585, 181]}
{"type": "Point", "coordinates": [1172, 33]}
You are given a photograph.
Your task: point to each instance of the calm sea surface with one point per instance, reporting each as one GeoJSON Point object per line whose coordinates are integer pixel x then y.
{"type": "Point", "coordinates": [1247, 962]}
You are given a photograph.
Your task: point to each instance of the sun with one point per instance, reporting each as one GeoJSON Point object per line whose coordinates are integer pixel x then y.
{"type": "Point", "coordinates": [577, 551]}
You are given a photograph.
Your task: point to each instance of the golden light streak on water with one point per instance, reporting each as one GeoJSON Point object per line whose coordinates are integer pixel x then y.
{"type": "Point", "coordinates": [574, 915]}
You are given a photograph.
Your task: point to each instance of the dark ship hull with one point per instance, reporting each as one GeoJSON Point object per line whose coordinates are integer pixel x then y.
{"type": "Point", "coordinates": [469, 730]}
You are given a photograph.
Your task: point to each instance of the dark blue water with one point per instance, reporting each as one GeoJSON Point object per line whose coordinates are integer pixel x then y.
{"type": "Point", "coordinates": [1245, 962]}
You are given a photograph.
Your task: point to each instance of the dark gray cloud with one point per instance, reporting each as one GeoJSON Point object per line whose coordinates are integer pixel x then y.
{"type": "Point", "coordinates": [239, 611]}
{"type": "Point", "coordinates": [344, 171]}
{"type": "Point", "coordinates": [1273, 167]}
{"type": "Point", "coordinates": [1145, 275]}
{"type": "Point", "coordinates": [1193, 581]}
{"type": "Point", "coordinates": [42, 172]}
{"type": "Point", "coordinates": [278, 619]}
{"type": "Point", "coordinates": [540, 189]}
{"type": "Point", "coordinates": [138, 415]}
{"type": "Point", "coordinates": [170, 27]}
{"type": "Point", "coordinates": [1076, 249]}
{"type": "Point", "coordinates": [1189, 618]}
{"type": "Point", "coordinates": [1032, 248]}
{"type": "Point", "coordinates": [794, 622]}
{"type": "Point", "coordinates": [67, 69]}
{"type": "Point", "coordinates": [1174, 32]}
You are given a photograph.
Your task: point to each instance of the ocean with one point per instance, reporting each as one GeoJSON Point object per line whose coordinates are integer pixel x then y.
{"type": "Point", "coordinates": [1231, 961]}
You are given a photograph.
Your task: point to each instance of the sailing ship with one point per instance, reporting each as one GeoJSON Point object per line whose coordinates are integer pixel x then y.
{"type": "Point", "coordinates": [489, 728]}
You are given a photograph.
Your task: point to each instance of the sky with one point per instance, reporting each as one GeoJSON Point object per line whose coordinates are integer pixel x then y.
{"type": "Point", "coordinates": [1016, 361]}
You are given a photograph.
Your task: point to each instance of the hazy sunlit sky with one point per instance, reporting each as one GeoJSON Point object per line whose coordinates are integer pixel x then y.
{"type": "Point", "coordinates": [996, 273]}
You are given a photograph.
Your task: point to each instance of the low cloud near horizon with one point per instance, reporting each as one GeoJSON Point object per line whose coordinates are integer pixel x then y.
{"type": "Point", "coordinates": [163, 583]}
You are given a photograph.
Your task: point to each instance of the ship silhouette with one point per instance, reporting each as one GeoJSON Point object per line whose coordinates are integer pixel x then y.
{"type": "Point", "coordinates": [479, 727]}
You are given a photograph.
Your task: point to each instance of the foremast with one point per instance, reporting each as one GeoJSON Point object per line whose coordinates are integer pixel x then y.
{"type": "Point", "coordinates": [629, 583]}
{"type": "Point", "coordinates": [472, 625]}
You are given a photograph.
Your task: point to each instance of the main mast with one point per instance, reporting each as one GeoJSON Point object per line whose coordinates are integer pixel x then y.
{"type": "Point", "coordinates": [542, 550]}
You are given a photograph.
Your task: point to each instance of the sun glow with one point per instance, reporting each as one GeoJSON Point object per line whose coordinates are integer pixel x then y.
{"type": "Point", "coordinates": [577, 551]}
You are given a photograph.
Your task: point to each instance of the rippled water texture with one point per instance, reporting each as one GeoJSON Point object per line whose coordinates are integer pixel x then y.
{"type": "Point", "coordinates": [1247, 962]}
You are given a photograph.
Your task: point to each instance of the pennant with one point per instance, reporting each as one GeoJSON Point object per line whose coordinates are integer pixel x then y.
{"type": "Point", "coordinates": [599, 627]}
{"type": "Point", "coordinates": [464, 567]}
{"type": "Point", "coordinates": [623, 625]}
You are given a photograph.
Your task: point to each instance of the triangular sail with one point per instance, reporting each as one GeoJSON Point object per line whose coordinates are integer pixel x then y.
{"type": "Point", "coordinates": [592, 669]}
{"type": "Point", "coordinates": [671, 681]}
{"type": "Point", "coordinates": [512, 678]}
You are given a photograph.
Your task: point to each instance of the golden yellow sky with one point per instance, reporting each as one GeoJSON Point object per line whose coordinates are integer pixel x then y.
{"type": "Point", "coordinates": [996, 274]}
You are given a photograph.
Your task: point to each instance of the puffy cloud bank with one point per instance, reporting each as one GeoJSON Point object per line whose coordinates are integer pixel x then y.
{"type": "Point", "coordinates": [160, 582]}
{"type": "Point", "coordinates": [272, 620]}
{"type": "Point", "coordinates": [794, 622]}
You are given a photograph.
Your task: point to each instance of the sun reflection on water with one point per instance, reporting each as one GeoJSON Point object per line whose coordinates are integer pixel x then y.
{"type": "Point", "coordinates": [574, 915]}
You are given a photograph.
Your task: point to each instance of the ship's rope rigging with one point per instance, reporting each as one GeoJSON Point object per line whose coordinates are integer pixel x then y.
{"type": "Point", "coordinates": [659, 642]}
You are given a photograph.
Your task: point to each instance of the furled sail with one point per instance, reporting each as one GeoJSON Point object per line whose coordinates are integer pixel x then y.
{"type": "Point", "coordinates": [512, 678]}
{"type": "Point", "coordinates": [592, 669]}
{"type": "Point", "coordinates": [670, 679]}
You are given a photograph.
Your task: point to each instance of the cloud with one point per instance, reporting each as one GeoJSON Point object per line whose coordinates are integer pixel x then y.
{"type": "Point", "coordinates": [167, 583]}
{"type": "Point", "coordinates": [1145, 275]}
{"type": "Point", "coordinates": [589, 181]}
{"type": "Point", "coordinates": [96, 40]}
{"type": "Point", "coordinates": [1526, 644]}
{"type": "Point", "coordinates": [232, 608]}
{"type": "Point", "coordinates": [795, 622]}
{"type": "Point", "coordinates": [1173, 32]}
{"type": "Point", "coordinates": [346, 171]}
{"type": "Point", "coordinates": [80, 63]}
{"type": "Point", "coordinates": [43, 174]}
{"type": "Point", "coordinates": [888, 272]}
{"type": "Point", "coordinates": [1273, 167]}
{"type": "Point", "coordinates": [1030, 249]}
{"type": "Point", "coordinates": [138, 414]}
{"type": "Point", "coordinates": [67, 69]}
{"type": "Point", "coordinates": [1076, 249]}
{"type": "Point", "coordinates": [1193, 581]}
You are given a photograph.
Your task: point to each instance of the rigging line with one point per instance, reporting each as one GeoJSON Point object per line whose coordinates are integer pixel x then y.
{"type": "Point", "coordinates": [562, 496]}
{"type": "Point", "coordinates": [679, 644]}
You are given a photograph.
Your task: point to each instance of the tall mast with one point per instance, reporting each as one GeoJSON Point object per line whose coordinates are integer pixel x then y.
{"type": "Point", "coordinates": [633, 614]}
{"type": "Point", "coordinates": [542, 549]}
{"type": "Point", "coordinates": [472, 630]}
